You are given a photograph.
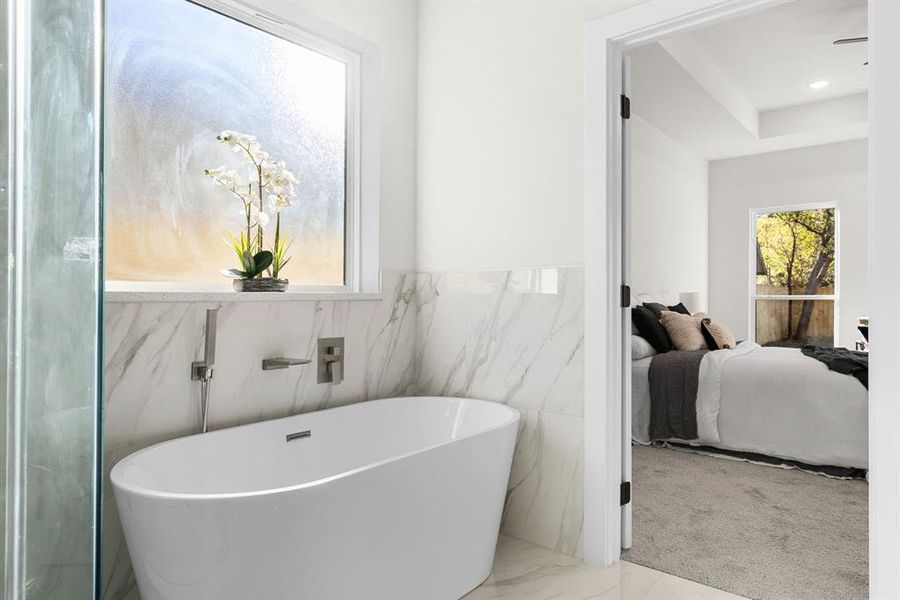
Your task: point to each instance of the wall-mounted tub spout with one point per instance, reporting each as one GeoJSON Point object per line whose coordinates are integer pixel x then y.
{"type": "Point", "coordinates": [202, 371]}
{"type": "Point", "coordinates": [270, 364]}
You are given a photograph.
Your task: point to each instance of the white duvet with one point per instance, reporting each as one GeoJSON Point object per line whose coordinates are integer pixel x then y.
{"type": "Point", "coordinates": [773, 401]}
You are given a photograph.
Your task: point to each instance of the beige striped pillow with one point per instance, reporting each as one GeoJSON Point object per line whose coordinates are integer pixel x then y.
{"type": "Point", "coordinates": [684, 330]}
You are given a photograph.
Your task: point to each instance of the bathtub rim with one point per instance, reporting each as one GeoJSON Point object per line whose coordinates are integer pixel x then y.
{"type": "Point", "coordinates": [116, 477]}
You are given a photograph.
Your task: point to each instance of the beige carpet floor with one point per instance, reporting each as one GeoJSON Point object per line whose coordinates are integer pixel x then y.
{"type": "Point", "coordinates": [761, 532]}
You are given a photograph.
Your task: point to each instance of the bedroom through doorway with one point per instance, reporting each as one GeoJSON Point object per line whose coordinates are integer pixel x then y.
{"type": "Point", "coordinates": [746, 251]}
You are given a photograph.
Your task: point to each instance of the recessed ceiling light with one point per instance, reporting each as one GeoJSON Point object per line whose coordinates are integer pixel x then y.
{"type": "Point", "coordinates": [818, 85]}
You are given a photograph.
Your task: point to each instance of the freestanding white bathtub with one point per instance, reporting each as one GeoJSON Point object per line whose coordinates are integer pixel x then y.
{"type": "Point", "coordinates": [389, 499]}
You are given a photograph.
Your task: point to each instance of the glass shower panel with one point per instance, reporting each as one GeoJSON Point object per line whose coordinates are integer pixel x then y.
{"type": "Point", "coordinates": [54, 299]}
{"type": "Point", "coordinates": [5, 118]}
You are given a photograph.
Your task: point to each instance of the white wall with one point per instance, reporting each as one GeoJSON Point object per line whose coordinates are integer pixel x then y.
{"type": "Point", "coordinates": [669, 217]}
{"type": "Point", "coordinates": [832, 173]}
{"type": "Point", "coordinates": [392, 25]}
{"type": "Point", "coordinates": [501, 132]}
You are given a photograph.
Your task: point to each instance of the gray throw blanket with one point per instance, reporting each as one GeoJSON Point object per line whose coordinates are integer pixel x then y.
{"type": "Point", "coordinates": [842, 360]}
{"type": "Point", "coordinates": [674, 379]}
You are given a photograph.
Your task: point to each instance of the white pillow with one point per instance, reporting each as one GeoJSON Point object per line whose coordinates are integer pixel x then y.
{"type": "Point", "coordinates": [664, 298]}
{"type": "Point", "coordinates": [640, 348]}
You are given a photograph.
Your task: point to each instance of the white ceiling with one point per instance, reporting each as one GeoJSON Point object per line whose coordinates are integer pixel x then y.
{"type": "Point", "coordinates": [742, 87]}
{"type": "Point", "coordinates": [773, 55]}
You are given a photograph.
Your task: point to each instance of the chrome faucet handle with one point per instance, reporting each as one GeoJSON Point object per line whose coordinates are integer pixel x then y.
{"type": "Point", "coordinates": [336, 368]}
{"type": "Point", "coordinates": [330, 361]}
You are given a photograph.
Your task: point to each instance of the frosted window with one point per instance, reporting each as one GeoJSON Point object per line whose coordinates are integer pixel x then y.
{"type": "Point", "coordinates": [177, 74]}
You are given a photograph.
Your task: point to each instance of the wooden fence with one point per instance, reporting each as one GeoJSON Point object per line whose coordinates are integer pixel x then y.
{"type": "Point", "coordinates": [772, 317]}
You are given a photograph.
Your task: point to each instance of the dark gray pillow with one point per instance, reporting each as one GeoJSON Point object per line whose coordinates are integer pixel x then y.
{"type": "Point", "coordinates": [656, 308]}
{"type": "Point", "coordinates": [680, 308]}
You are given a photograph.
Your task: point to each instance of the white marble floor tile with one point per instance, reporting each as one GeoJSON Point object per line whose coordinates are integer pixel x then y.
{"type": "Point", "coordinates": [524, 571]}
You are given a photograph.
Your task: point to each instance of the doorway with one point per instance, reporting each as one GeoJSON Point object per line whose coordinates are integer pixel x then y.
{"type": "Point", "coordinates": [605, 333]}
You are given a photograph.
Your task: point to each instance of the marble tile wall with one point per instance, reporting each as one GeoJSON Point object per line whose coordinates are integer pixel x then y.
{"type": "Point", "coordinates": [149, 396]}
{"type": "Point", "coordinates": [517, 337]}
{"type": "Point", "coordinates": [512, 336]}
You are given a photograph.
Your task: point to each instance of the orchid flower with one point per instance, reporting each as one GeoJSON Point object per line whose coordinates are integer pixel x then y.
{"type": "Point", "coordinates": [268, 176]}
{"type": "Point", "coordinates": [260, 218]}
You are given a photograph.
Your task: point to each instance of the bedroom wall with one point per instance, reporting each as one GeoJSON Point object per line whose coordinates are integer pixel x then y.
{"type": "Point", "coordinates": [670, 203]}
{"type": "Point", "coordinates": [830, 173]}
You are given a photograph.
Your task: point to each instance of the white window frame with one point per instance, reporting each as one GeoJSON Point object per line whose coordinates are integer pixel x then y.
{"type": "Point", "coordinates": [755, 213]}
{"type": "Point", "coordinates": [362, 274]}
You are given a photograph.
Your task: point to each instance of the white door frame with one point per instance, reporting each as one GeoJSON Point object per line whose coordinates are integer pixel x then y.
{"type": "Point", "coordinates": [606, 40]}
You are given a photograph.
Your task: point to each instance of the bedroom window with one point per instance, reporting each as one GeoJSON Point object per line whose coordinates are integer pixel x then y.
{"type": "Point", "coordinates": [794, 287]}
{"type": "Point", "coordinates": [178, 74]}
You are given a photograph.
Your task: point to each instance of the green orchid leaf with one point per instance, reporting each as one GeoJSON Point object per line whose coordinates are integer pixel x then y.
{"type": "Point", "coordinates": [262, 260]}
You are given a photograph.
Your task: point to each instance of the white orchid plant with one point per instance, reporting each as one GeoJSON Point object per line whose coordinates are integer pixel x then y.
{"type": "Point", "coordinates": [269, 179]}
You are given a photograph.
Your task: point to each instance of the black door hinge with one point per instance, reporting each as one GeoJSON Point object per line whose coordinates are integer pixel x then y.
{"type": "Point", "coordinates": [625, 298]}
{"type": "Point", "coordinates": [624, 493]}
{"type": "Point", "coordinates": [625, 107]}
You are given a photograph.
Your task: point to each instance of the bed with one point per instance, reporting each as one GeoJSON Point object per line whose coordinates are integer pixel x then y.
{"type": "Point", "coordinates": [771, 401]}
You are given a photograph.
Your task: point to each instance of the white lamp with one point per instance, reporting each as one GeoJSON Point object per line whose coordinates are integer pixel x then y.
{"type": "Point", "coordinates": [693, 301]}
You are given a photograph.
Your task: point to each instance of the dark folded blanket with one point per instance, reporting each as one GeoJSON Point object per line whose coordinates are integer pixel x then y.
{"type": "Point", "coordinates": [842, 360]}
{"type": "Point", "coordinates": [674, 379]}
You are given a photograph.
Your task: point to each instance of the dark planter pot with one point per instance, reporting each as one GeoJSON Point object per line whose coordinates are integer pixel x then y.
{"type": "Point", "coordinates": [263, 284]}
